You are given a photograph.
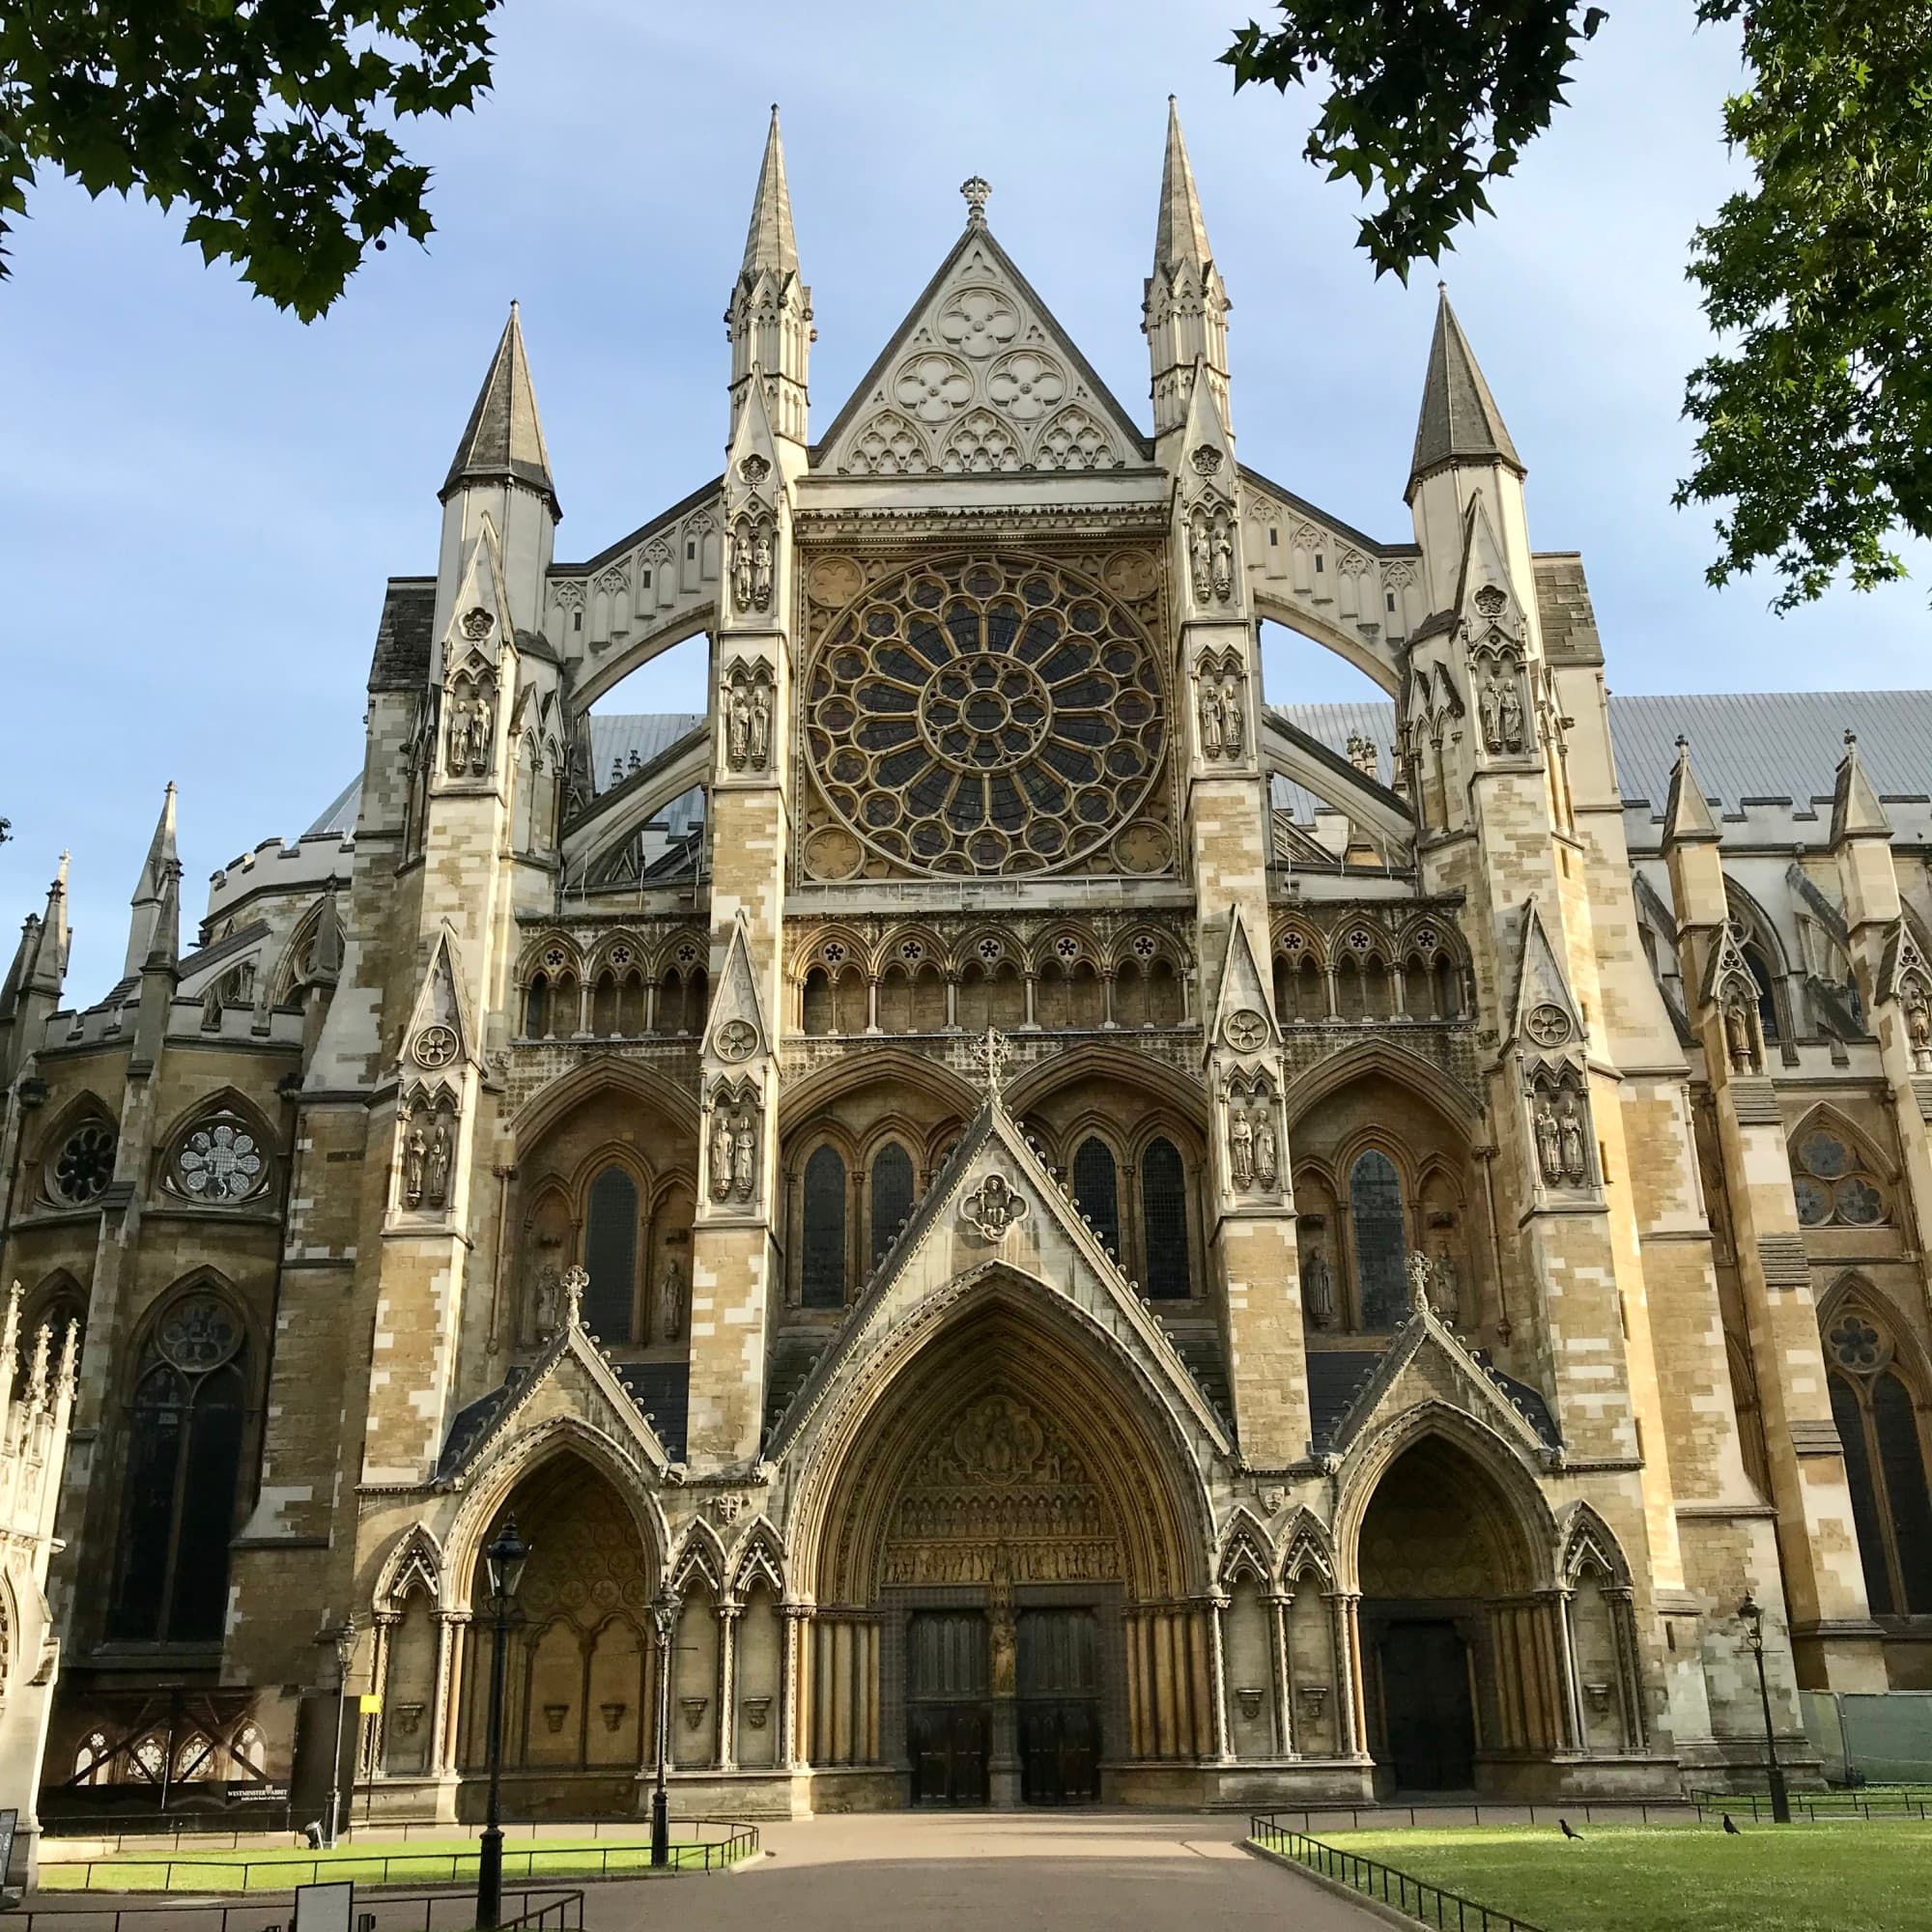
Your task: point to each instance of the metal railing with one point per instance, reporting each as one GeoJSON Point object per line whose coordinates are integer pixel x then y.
{"type": "Point", "coordinates": [121, 1873]}
{"type": "Point", "coordinates": [175, 1828]}
{"type": "Point", "coordinates": [1501, 1812]}
{"type": "Point", "coordinates": [1813, 1806]}
{"type": "Point", "coordinates": [394, 1912]}
{"type": "Point", "coordinates": [1373, 1879]}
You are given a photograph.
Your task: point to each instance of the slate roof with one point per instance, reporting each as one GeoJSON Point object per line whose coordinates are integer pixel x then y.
{"type": "Point", "coordinates": [403, 635]}
{"type": "Point", "coordinates": [649, 734]}
{"type": "Point", "coordinates": [661, 1391]}
{"type": "Point", "coordinates": [503, 439]}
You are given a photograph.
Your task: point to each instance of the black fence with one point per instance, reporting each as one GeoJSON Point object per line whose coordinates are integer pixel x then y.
{"type": "Point", "coordinates": [1373, 1879]}
{"type": "Point", "coordinates": [1386, 1817]}
{"type": "Point", "coordinates": [393, 1912]}
{"type": "Point", "coordinates": [528, 1860]}
{"type": "Point", "coordinates": [1818, 1806]}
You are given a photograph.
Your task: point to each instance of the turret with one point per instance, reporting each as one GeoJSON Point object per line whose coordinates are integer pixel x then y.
{"type": "Point", "coordinates": [149, 888]}
{"type": "Point", "coordinates": [500, 473]}
{"type": "Point", "coordinates": [1464, 449]}
{"type": "Point", "coordinates": [1184, 316]}
{"type": "Point", "coordinates": [769, 320]}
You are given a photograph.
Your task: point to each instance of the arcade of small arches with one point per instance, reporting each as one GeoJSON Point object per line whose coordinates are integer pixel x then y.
{"type": "Point", "coordinates": [1358, 967]}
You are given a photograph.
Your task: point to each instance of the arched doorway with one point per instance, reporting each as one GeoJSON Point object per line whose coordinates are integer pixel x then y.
{"type": "Point", "coordinates": [1006, 1569]}
{"type": "Point", "coordinates": [578, 1690]}
{"type": "Point", "coordinates": [1464, 1655]}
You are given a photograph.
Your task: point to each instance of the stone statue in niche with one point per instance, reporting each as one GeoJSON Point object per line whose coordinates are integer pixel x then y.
{"type": "Point", "coordinates": [1002, 1634]}
{"type": "Point", "coordinates": [761, 569]}
{"type": "Point", "coordinates": [721, 1154]}
{"type": "Point", "coordinates": [1234, 721]}
{"type": "Point", "coordinates": [762, 726]}
{"type": "Point", "coordinates": [669, 1311]}
{"type": "Point", "coordinates": [1241, 1146]}
{"type": "Point", "coordinates": [1918, 1026]}
{"type": "Point", "coordinates": [748, 720]}
{"type": "Point", "coordinates": [1211, 720]}
{"type": "Point", "coordinates": [1268, 1163]}
{"type": "Point", "coordinates": [1740, 1036]}
{"type": "Point", "coordinates": [435, 1182]}
{"type": "Point", "coordinates": [1549, 1143]}
{"type": "Point", "coordinates": [1511, 720]}
{"type": "Point", "coordinates": [1224, 563]}
{"type": "Point", "coordinates": [1201, 558]}
{"type": "Point", "coordinates": [744, 1156]}
{"type": "Point", "coordinates": [737, 726]}
{"type": "Point", "coordinates": [544, 1297]}
{"type": "Point", "coordinates": [1444, 1297]}
{"type": "Point", "coordinates": [1317, 1289]}
{"type": "Point", "coordinates": [741, 567]}
{"type": "Point", "coordinates": [1490, 703]}
{"type": "Point", "coordinates": [1570, 1138]}
{"type": "Point", "coordinates": [415, 1164]}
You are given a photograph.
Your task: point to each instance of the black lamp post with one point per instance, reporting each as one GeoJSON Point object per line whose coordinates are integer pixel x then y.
{"type": "Point", "coordinates": [505, 1558]}
{"type": "Point", "coordinates": [343, 1637]}
{"type": "Point", "coordinates": [663, 1610]}
{"type": "Point", "coordinates": [1752, 1614]}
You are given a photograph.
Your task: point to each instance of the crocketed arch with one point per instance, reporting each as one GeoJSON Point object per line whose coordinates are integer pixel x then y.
{"type": "Point", "coordinates": [1009, 1335]}
{"type": "Point", "coordinates": [1306, 1551]}
{"type": "Point", "coordinates": [759, 1555]}
{"type": "Point", "coordinates": [415, 1562]}
{"type": "Point", "coordinates": [494, 1483]}
{"type": "Point", "coordinates": [1245, 1550]}
{"type": "Point", "coordinates": [903, 1075]}
{"type": "Point", "coordinates": [1410, 1070]}
{"type": "Point", "coordinates": [1493, 1484]}
{"type": "Point", "coordinates": [1588, 1541]}
{"type": "Point", "coordinates": [550, 1104]}
{"type": "Point", "coordinates": [1032, 1089]}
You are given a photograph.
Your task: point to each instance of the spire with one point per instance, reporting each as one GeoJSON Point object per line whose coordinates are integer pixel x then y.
{"type": "Point", "coordinates": [163, 951]}
{"type": "Point", "coordinates": [504, 441]}
{"type": "Point", "coordinates": [769, 242]}
{"type": "Point", "coordinates": [49, 969]}
{"type": "Point", "coordinates": [1856, 811]}
{"type": "Point", "coordinates": [149, 887]}
{"type": "Point", "coordinates": [1459, 421]}
{"type": "Point", "coordinates": [1182, 236]}
{"type": "Point", "coordinates": [1686, 815]}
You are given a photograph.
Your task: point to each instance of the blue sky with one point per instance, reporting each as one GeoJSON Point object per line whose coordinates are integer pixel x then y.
{"type": "Point", "coordinates": [201, 498]}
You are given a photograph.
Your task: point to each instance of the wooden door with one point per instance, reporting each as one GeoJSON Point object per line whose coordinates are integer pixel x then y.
{"type": "Point", "coordinates": [949, 1714]}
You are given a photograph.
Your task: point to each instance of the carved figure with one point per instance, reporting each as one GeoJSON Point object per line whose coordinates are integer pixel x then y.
{"type": "Point", "coordinates": [670, 1303]}
{"type": "Point", "coordinates": [416, 1153]}
{"type": "Point", "coordinates": [721, 1155]}
{"type": "Point", "coordinates": [741, 568]}
{"type": "Point", "coordinates": [1317, 1289]}
{"type": "Point", "coordinates": [1005, 1643]}
{"type": "Point", "coordinates": [543, 1300]}
{"type": "Point", "coordinates": [1234, 721]}
{"type": "Point", "coordinates": [1224, 564]}
{"type": "Point", "coordinates": [1417, 1268]}
{"type": "Point", "coordinates": [762, 726]}
{"type": "Point", "coordinates": [1740, 1038]}
{"type": "Point", "coordinates": [1918, 1026]}
{"type": "Point", "coordinates": [1569, 1131]}
{"type": "Point", "coordinates": [1511, 716]}
{"type": "Point", "coordinates": [1549, 1143]}
{"type": "Point", "coordinates": [1444, 1297]}
{"type": "Point", "coordinates": [744, 1156]}
{"type": "Point", "coordinates": [1241, 1147]}
{"type": "Point", "coordinates": [761, 571]}
{"type": "Point", "coordinates": [1211, 720]}
{"type": "Point", "coordinates": [1201, 559]}
{"type": "Point", "coordinates": [737, 726]}
{"type": "Point", "coordinates": [436, 1184]}
{"type": "Point", "coordinates": [457, 736]}
{"type": "Point", "coordinates": [1491, 706]}
{"type": "Point", "coordinates": [1268, 1165]}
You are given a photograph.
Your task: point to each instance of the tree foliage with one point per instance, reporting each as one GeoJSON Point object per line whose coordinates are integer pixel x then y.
{"type": "Point", "coordinates": [272, 120]}
{"type": "Point", "coordinates": [1814, 415]}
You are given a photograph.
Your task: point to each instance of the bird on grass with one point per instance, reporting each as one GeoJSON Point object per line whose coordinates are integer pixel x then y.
{"type": "Point", "coordinates": [1569, 1831]}
{"type": "Point", "coordinates": [1730, 1828]}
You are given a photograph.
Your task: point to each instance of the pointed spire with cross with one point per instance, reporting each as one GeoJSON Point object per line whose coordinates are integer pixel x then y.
{"type": "Point", "coordinates": [575, 1281]}
{"type": "Point", "coordinates": [990, 1054]}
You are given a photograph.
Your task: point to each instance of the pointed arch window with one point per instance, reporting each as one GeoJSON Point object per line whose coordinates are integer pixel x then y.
{"type": "Point", "coordinates": [1096, 1188]}
{"type": "Point", "coordinates": [891, 1195]}
{"type": "Point", "coordinates": [1833, 1184]}
{"type": "Point", "coordinates": [185, 1430]}
{"type": "Point", "coordinates": [610, 1254]}
{"type": "Point", "coordinates": [1767, 1002]}
{"type": "Point", "coordinates": [822, 1246]}
{"type": "Point", "coordinates": [1884, 1464]}
{"type": "Point", "coordinates": [1164, 1221]}
{"type": "Point", "coordinates": [1375, 1209]}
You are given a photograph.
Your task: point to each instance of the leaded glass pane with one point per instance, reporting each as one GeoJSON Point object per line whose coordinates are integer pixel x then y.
{"type": "Point", "coordinates": [891, 1195]}
{"type": "Point", "coordinates": [822, 1264]}
{"type": "Point", "coordinates": [1866, 1515]}
{"type": "Point", "coordinates": [1374, 1198]}
{"type": "Point", "coordinates": [1164, 1221]}
{"type": "Point", "coordinates": [1902, 1463]}
{"type": "Point", "coordinates": [610, 1254]}
{"type": "Point", "coordinates": [1096, 1188]}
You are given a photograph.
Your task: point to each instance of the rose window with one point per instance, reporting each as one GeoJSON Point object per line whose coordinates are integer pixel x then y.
{"type": "Point", "coordinates": [84, 1164]}
{"type": "Point", "coordinates": [219, 1163]}
{"type": "Point", "coordinates": [985, 716]}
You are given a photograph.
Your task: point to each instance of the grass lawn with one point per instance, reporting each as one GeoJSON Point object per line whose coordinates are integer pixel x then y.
{"type": "Point", "coordinates": [1793, 1878]}
{"type": "Point", "coordinates": [386, 1861]}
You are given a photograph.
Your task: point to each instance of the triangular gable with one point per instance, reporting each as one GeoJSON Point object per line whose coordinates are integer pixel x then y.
{"type": "Point", "coordinates": [1485, 568]}
{"type": "Point", "coordinates": [1903, 967]}
{"type": "Point", "coordinates": [442, 1034]}
{"type": "Point", "coordinates": [1545, 1015]}
{"type": "Point", "coordinates": [978, 379]}
{"type": "Point", "coordinates": [1244, 990]}
{"type": "Point", "coordinates": [1726, 967]}
{"type": "Point", "coordinates": [735, 1004]}
{"type": "Point", "coordinates": [479, 619]}
{"type": "Point", "coordinates": [574, 1378]}
{"type": "Point", "coordinates": [1425, 1363]}
{"type": "Point", "coordinates": [994, 1205]}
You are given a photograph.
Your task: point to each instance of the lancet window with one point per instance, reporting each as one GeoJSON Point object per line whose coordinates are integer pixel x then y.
{"type": "Point", "coordinates": [1375, 1206]}
{"type": "Point", "coordinates": [1097, 1188]}
{"type": "Point", "coordinates": [1879, 1424]}
{"type": "Point", "coordinates": [611, 1256]}
{"type": "Point", "coordinates": [891, 1195]}
{"type": "Point", "coordinates": [822, 1229]}
{"type": "Point", "coordinates": [1164, 1221]}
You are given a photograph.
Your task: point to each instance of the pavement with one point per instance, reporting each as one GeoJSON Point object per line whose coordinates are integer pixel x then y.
{"type": "Point", "coordinates": [1076, 1871]}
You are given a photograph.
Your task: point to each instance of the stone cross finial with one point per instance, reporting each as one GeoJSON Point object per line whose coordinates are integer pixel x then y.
{"type": "Point", "coordinates": [975, 188]}
{"type": "Point", "coordinates": [575, 1282]}
{"type": "Point", "coordinates": [990, 1055]}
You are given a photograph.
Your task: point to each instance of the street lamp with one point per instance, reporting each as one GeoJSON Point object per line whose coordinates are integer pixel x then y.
{"type": "Point", "coordinates": [343, 1637]}
{"type": "Point", "coordinates": [1753, 1615]}
{"type": "Point", "coordinates": [505, 1558]}
{"type": "Point", "coordinates": [664, 1611]}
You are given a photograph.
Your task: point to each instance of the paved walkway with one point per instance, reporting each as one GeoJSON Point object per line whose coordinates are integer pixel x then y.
{"type": "Point", "coordinates": [1076, 1871]}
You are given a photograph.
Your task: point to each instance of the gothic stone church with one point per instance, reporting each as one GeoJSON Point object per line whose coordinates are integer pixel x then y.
{"type": "Point", "coordinates": [1080, 1230]}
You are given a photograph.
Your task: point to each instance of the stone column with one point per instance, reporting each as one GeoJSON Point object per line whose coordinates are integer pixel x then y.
{"type": "Point", "coordinates": [1350, 1711]}
{"type": "Point", "coordinates": [1214, 1610]}
{"type": "Point", "coordinates": [729, 1613]}
{"type": "Point", "coordinates": [1281, 1658]}
{"type": "Point", "coordinates": [794, 1655]}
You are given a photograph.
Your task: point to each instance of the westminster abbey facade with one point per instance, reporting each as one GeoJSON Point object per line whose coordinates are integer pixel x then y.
{"type": "Point", "coordinates": [1013, 1216]}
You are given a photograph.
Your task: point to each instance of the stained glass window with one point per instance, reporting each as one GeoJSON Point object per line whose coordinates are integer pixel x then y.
{"type": "Point", "coordinates": [891, 1195]}
{"type": "Point", "coordinates": [611, 1256]}
{"type": "Point", "coordinates": [1164, 1221]}
{"type": "Point", "coordinates": [1096, 1188]}
{"type": "Point", "coordinates": [822, 1263]}
{"type": "Point", "coordinates": [1374, 1198]}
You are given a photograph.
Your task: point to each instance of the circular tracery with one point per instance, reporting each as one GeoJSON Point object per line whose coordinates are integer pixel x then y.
{"type": "Point", "coordinates": [985, 715]}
